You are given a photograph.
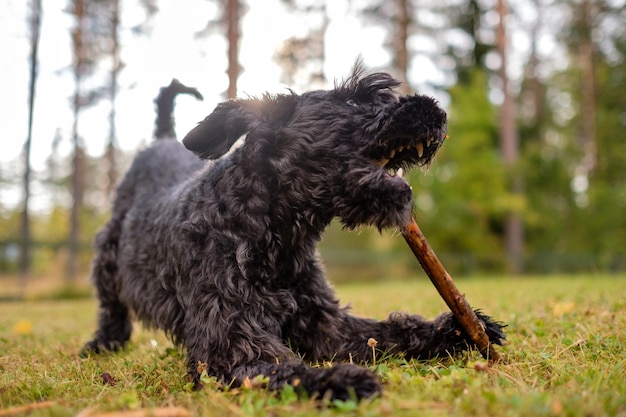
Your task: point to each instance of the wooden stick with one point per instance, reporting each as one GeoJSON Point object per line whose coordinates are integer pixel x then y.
{"type": "Point", "coordinates": [25, 409]}
{"type": "Point", "coordinates": [143, 412]}
{"type": "Point", "coordinates": [449, 292]}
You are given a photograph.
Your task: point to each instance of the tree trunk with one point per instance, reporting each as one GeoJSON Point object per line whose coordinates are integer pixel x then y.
{"type": "Point", "coordinates": [25, 256]}
{"type": "Point", "coordinates": [232, 23]}
{"type": "Point", "coordinates": [115, 68]}
{"type": "Point", "coordinates": [399, 43]}
{"type": "Point", "coordinates": [534, 88]}
{"type": "Point", "coordinates": [77, 193]}
{"type": "Point", "coordinates": [514, 232]}
{"type": "Point", "coordinates": [321, 77]}
{"type": "Point", "coordinates": [80, 60]}
{"type": "Point", "coordinates": [587, 133]}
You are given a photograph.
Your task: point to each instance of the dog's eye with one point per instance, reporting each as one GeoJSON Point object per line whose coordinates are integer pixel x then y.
{"type": "Point", "coordinates": [351, 103]}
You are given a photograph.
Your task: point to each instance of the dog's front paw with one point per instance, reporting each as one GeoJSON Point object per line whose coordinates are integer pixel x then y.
{"type": "Point", "coordinates": [91, 348]}
{"type": "Point", "coordinates": [343, 382]}
{"type": "Point", "coordinates": [451, 338]}
{"type": "Point", "coordinates": [494, 329]}
{"type": "Point", "coordinates": [95, 347]}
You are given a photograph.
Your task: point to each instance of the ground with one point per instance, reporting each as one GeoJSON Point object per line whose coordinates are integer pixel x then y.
{"type": "Point", "coordinates": [565, 356]}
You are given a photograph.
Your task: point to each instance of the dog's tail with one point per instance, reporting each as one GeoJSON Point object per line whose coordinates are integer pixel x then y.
{"type": "Point", "coordinates": [165, 108]}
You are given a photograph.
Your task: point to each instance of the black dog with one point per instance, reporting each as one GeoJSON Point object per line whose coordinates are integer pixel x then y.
{"type": "Point", "coordinates": [221, 254]}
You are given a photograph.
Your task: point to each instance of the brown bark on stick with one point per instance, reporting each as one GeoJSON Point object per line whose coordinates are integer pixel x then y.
{"type": "Point", "coordinates": [449, 292]}
{"type": "Point", "coordinates": [25, 409]}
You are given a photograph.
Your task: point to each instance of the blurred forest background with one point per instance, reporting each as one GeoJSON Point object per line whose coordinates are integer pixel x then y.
{"type": "Point", "coordinates": [532, 179]}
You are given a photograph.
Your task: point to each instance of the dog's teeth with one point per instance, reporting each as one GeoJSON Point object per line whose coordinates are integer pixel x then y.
{"type": "Point", "coordinates": [428, 142]}
{"type": "Point", "coordinates": [392, 153]}
{"type": "Point", "coordinates": [383, 162]}
{"type": "Point", "coordinates": [400, 173]}
{"type": "Point", "coordinates": [420, 149]}
{"type": "Point", "coordinates": [400, 148]}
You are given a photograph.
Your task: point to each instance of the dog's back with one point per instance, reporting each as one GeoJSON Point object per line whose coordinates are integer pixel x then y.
{"type": "Point", "coordinates": [155, 170]}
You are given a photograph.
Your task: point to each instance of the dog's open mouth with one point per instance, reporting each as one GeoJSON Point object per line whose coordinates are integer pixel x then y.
{"type": "Point", "coordinates": [412, 135]}
{"type": "Point", "coordinates": [411, 154]}
{"type": "Point", "coordinates": [399, 155]}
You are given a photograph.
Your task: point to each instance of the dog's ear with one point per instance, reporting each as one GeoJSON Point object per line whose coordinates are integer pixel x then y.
{"type": "Point", "coordinates": [215, 135]}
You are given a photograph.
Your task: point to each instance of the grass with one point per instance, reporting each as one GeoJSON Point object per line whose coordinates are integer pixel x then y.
{"type": "Point", "coordinates": [565, 357]}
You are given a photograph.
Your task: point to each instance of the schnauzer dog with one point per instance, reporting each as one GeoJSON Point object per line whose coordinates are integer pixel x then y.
{"type": "Point", "coordinates": [221, 254]}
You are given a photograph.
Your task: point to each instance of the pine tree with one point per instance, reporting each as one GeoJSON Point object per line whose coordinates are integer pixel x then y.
{"type": "Point", "coordinates": [35, 26]}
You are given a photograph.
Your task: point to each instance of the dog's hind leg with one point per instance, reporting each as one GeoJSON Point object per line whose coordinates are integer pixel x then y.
{"type": "Point", "coordinates": [114, 324]}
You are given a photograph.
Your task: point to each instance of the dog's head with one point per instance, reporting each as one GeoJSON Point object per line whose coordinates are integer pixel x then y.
{"type": "Point", "coordinates": [343, 151]}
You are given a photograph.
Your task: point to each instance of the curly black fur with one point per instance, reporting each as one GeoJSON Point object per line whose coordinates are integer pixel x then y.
{"type": "Point", "coordinates": [221, 254]}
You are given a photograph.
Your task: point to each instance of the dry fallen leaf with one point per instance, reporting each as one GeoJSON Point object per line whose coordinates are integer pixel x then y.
{"type": "Point", "coordinates": [23, 327]}
{"type": "Point", "coordinates": [560, 309]}
{"type": "Point", "coordinates": [107, 379]}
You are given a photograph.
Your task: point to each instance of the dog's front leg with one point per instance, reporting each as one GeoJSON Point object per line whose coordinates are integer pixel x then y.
{"type": "Point", "coordinates": [239, 348]}
{"type": "Point", "coordinates": [341, 382]}
{"type": "Point", "coordinates": [411, 335]}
